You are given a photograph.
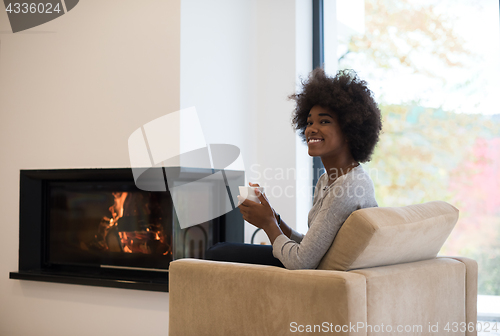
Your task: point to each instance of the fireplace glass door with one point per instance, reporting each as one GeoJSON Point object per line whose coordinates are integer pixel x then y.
{"type": "Point", "coordinates": [109, 223]}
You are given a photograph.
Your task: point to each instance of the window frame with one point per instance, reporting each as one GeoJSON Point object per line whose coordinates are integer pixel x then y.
{"type": "Point", "coordinates": [318, 58]}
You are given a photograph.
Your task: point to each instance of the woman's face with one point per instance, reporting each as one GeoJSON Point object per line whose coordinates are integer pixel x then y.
{"type": "Point", "coordinates": [323, 134]}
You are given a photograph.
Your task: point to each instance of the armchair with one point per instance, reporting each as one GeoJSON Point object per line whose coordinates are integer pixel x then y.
{"type": "Point", "coordinates": [381, 276]}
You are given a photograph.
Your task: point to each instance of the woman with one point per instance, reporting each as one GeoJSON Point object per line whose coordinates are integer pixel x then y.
{"type": "Point", "coordinates": [340, 122]}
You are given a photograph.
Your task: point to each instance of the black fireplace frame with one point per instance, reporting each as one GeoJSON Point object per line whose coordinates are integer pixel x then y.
{"type": "Point", "coordinates": [33, 225]}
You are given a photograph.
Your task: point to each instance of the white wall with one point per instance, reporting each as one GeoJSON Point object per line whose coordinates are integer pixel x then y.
{"type": "Point", "coordinates": [71, 92]}
{"type": "Point", "coordinates": [217, 71]}
{"type": "Point", "coordinates": [276, 74]}
{"type": "Point", "coordinates": [239, 63]}
{"type": "Point", "coordinates": [74, 89]}
{"type": "Point", "coordinates": [303, 65]}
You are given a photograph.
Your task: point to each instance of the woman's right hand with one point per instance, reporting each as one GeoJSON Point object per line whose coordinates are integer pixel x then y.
{"type": "Point", "coordinates": [257, 185]}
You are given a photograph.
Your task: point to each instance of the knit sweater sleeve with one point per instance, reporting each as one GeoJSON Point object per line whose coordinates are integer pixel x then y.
{"type": "Point", "coordinates": [296, 236]}
{"type": "Point", "coordinates": [310, 249]}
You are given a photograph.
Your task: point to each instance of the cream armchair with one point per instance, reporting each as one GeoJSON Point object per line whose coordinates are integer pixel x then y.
{"type": "Point", "coordinates": [381, 276]}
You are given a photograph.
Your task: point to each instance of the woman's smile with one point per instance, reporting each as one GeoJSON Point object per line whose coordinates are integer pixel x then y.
{"type": "Point", "coordinates": [314, 141]}
{"type": "Point", "coordinates": [323, 134]}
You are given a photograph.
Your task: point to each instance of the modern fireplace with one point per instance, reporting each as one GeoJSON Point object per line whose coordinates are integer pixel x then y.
{"type": "Point", "coordinates": [95, 227]}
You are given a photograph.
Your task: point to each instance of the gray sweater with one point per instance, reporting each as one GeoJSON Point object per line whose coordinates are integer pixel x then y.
{"type": "Point", "coordinates": [331, 207]}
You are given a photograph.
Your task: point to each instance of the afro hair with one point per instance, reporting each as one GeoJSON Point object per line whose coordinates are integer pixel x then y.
{"type": "Point", "coordinates": [350, 100]}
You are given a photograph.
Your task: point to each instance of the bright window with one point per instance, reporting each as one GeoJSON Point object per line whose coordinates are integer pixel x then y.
{"type": "Point", "coordinates": [434, 69]}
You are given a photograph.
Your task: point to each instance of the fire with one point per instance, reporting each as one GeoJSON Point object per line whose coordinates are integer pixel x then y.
{"type": "Point", "coordinates": [117, 208]}
{"type": "Point", "coordinates": [131, 228]}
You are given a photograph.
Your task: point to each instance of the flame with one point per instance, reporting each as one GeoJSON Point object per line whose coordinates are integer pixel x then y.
{"type": "Point", "coordinates": [117, 208]}
{"type": "Point", "coordinates": [149, 238]}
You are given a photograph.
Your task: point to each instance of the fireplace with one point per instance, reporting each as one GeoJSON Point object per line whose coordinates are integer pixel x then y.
{"type": "Point", "coordinates": [95, 227]}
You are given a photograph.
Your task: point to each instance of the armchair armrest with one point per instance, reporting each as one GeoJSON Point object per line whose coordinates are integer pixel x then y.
{"type": "Point", "coordinates": [218, 298]}
{"type": "Point", "coordinates": [470, 291]}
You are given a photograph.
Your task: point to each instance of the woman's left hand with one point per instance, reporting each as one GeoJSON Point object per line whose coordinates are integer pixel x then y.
{"type": "Point", "coordinates": [261, 215]}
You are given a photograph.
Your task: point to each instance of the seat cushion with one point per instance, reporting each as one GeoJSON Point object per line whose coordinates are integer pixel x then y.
{"type": "Point", "coordinates": [385, 236]}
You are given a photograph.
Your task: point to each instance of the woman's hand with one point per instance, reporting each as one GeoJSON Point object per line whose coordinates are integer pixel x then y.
{"type": "Point", "coordinates": [261, 215]}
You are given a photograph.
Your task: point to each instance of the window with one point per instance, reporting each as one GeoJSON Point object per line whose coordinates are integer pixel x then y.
{"type": "Point", "coordinates": [433, 67]}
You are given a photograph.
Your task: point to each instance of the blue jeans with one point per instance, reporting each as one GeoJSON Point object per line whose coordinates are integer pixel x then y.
{"type": "Point", "coordinates": [243, 253]}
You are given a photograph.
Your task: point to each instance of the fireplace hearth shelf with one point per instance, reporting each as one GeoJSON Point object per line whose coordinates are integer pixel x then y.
{"type": "Point", "coordinates": [147, 283]}
{"type": "Point", "coordinates": [94, 227]}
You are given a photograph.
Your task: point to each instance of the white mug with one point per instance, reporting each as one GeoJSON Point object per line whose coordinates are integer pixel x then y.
{"type": "Point", "coordinates": [249, 193]}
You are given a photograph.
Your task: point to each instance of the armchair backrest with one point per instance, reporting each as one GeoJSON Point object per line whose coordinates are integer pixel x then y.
{"type": "Point", "coordinates": [385, 236]}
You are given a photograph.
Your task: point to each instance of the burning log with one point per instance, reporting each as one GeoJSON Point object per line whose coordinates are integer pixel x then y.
{"type": "Point", "coordinates": [129, 230]}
